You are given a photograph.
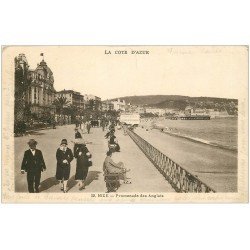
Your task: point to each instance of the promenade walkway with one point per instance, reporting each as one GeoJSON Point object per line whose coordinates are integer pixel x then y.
{"type": "Point", "coordinates": [144, 176]}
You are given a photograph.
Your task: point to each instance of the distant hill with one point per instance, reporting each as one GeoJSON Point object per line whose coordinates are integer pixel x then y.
{"type": "Point", "coordinates": [172, 101]}
{"type": "Point", "coordinates": [150, 99]}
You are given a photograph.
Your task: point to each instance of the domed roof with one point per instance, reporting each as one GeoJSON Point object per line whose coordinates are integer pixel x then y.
{"type": "Point", "coordinates": [43, 66]}
{"type": "Point", "coordinates": [43, 63]}
{"type": "Point", "coordinates": [45, 71]}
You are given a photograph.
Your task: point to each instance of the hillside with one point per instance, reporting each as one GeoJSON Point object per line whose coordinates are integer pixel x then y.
{"type": "Point", "coordinates": [181, 102]}
{"type": "Point", "coordinates": [165, 100]}
{"type": "Point", "coordinates": [151, 99]}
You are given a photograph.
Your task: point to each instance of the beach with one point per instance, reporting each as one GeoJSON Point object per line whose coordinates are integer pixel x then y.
{"type": "Point", "coordinates": [213, 161]}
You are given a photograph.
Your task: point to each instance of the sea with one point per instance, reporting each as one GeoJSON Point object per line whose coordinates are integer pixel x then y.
{"type": "Point", "coordinates": [217, 132]}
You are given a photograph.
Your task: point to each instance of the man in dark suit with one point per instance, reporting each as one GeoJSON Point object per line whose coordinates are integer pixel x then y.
{"type": "Point", "coordinates": [33, 163]}
{"type": "Point", "coordinates": [88, 126]}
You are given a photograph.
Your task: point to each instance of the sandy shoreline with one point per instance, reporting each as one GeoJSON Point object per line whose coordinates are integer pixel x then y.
{"type": "Point", "coordinates": [158, 123]}
{"type": "Point", "coordinates": [214, 165]}
{"type": "Point", "coordinates": [197, 140]}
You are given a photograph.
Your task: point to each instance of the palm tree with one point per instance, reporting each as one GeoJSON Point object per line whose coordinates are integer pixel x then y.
{"type": "Point", "coordinates": [73, 111]}
{"type": "Point", "coordinates": [61, 103]}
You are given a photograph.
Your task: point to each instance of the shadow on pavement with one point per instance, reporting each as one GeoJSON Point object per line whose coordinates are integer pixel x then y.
{"type": "Point", "coordinates": [35, 133]}
{"type": "Point", "coordinates": [71, 182]}
{"type": "Point", "coordinates": [52, 181]}
{"type": "Point", "coordinates": [92, 175]}
{"type": "Point", "coordinates": [48, 183]}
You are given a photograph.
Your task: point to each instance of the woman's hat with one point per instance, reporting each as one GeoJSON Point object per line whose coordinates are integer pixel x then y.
{"type": "Point", "coordinates": [79, 141]}
{"type": "Point", "coordinates": [32, 142]}
{"type": "Point", "coordinates": [64, 141]}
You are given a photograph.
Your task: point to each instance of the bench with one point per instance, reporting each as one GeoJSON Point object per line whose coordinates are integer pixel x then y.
{"type": "Point", "coordinates": [112, 181]}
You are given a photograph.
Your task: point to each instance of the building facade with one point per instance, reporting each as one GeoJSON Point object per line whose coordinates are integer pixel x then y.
{"type": "Point", "coordinates": [189, 111]}
{"type": "Point", "coordinates": [74, 98]}
{"type": "Point", "coordinates": [140, 110]}
{"type": "Point", "coordinates": [40, 94]}
{"type": "Point", "coordinates": [119, 105]}
{"type": "Point", "coordinates": [194, 111]}
{"type": "Point", "coordinates": [156, 111]}
{"type": "Point", "coordinates": [93, 102]}
{"type": "Point", "coordinates": [171, 111]}
{"type": "Point", "coordinates": [215, 113]}
{"type": "Point", "coordinates": [107, 105]}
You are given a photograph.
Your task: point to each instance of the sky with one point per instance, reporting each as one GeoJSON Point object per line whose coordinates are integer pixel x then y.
{"type": "Point", "coordinates": [214, 71]}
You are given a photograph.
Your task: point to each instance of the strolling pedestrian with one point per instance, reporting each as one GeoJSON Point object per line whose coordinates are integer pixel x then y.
{"type": "Point", "coordinates": [103, 124]}
{"type": "Point", "coordinates": [77, 133]}
{"type": "Point", "coordinates": [83, 162]}
{"type": "Point", "coordinates": [54, 124]}
{"type": "Point", "coordinates": [112, 127]}
{"type": "Point", "coordinates": [33, 164]}
{"type": "Point", "coordinates": [109, 133]}
{"type": "Point", "coordinates": [77, 123]}
{"type": "Point", "coordinates": [88, 126]}
{"type": "Point", "coordinates": [80, 123]}
{"type": "Point", "coordinates": [106, 124]}
{"type": "Point", "coordinates": [113, 142]}
{"type": "Point", "coordinates": [64, 156]}
{"type": "Point", "coordinates": [84, 130]}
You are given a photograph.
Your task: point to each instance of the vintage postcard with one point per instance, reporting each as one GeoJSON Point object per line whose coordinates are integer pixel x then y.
{"type": "Point", "coordinates": [125, 124]}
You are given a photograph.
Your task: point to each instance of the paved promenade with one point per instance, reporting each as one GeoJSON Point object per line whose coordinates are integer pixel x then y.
{"type": "Point", "coordinates": [144, 176]}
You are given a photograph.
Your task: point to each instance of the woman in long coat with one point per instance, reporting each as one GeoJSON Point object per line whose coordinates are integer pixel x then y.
{"type": "Point", "coordinates": [64, 156]}
{"type": "Point", "coordinates": [83, 162]}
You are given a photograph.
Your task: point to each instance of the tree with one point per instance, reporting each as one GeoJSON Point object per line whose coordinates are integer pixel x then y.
{"type": "Point", "coordinates": [61, 103]}
{"type": "Point", "coordinates": [27, 111]}
{"type": "Point", "coordinates": [72, 111]}
{"type": "Point", "coordinates": [46, 117]}
{"type": "Point", "coordinates": [22, 83]}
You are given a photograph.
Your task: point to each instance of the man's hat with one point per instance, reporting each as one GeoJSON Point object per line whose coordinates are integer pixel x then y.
{"type": "Point", "coordinates": [64, 141]}
{"type": "Point", "coordinates": [32, 142]}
